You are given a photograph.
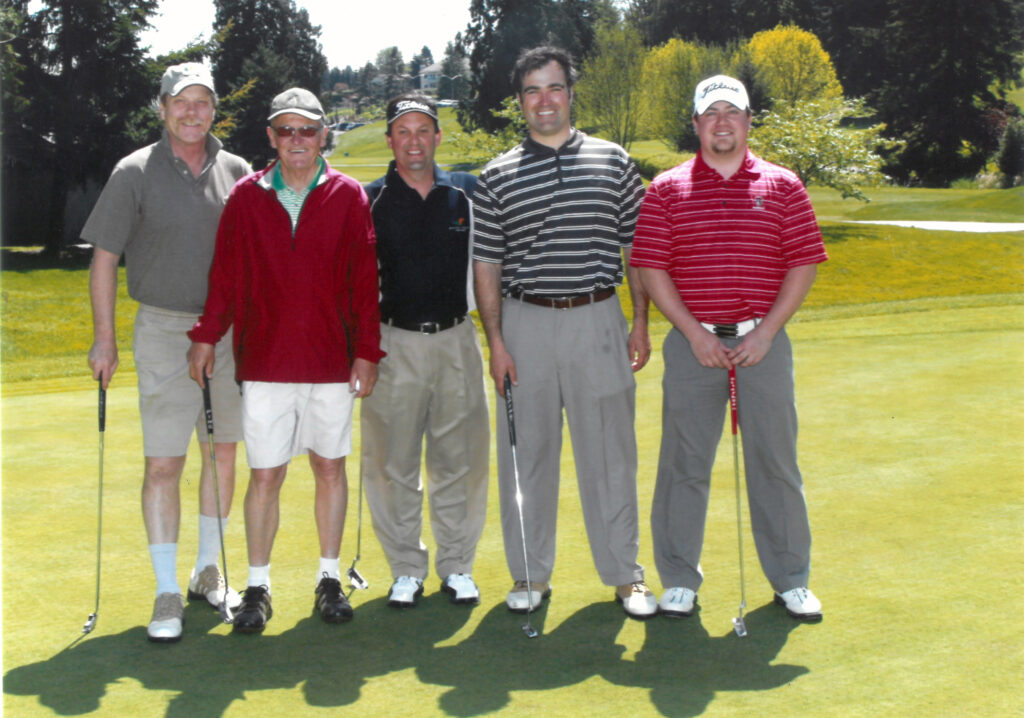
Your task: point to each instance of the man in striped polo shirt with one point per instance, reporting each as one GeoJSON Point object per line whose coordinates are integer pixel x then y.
{"type": "Point", "coordinates": [728, 246]}
{"type": "Point", "coordinates": [553, 217]}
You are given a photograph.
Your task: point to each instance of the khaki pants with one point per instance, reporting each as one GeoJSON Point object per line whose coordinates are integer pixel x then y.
{"type": "Point", "coordinates": [431, 387]}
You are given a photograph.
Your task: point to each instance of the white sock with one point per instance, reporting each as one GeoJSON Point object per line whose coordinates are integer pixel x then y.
{"type": "Point", "coordinates": [209, 541]}
{"type": "Point", "coordinates": [259, 576]}
{"type": "Point", "coordinates": [165, 558]}
{"type": "Point", "coordinates": [330, 566]}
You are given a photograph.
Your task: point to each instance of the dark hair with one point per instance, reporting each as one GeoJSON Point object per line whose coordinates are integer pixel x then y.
{"type": "Point", "coordinates": [393, 111]}
{"type": "Point", "coordinates": [538, 57]}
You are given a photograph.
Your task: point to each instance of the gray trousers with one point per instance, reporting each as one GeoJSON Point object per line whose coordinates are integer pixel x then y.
{"type": "Point", "coordinates": [693, 410]}
{"type": "Point", "coordinates": [429, 386]}
{"type": "Point", "coordinates": [577, 360]}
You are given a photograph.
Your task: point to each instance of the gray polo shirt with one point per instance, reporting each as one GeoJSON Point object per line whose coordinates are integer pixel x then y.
{"type": "Point", "coordinates": [164, 220]}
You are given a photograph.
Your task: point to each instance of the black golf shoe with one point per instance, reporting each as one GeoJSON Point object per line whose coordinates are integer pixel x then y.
{"type": "Point", "coordinates": [331, 603]}
{"type": "Point", "coordinates": [255, 611]}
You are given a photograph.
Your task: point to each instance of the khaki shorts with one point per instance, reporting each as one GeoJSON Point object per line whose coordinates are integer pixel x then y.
{"type": "Point", "coordinates": [170, 402]}
{"type": "Point", "coordinates": [283, 420]}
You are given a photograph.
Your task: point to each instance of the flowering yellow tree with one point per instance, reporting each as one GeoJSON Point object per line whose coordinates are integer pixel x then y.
{"type": "Point", "coordinates": [790, 65]}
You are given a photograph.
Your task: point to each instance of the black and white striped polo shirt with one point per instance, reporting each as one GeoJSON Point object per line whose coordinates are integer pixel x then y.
{"type": "Point", "coordinates": [557, 220]}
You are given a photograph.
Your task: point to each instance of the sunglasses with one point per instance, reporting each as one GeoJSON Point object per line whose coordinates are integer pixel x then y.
{"type": "Point", "coordinates": [288, 131]}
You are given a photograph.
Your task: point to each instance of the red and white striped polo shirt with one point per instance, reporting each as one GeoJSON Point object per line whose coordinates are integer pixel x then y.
{"type": "Point", "coordinates": [727, 244]}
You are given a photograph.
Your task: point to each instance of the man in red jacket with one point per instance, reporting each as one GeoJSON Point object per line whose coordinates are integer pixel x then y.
{"type": "Point", "coordinates": [295, 272]}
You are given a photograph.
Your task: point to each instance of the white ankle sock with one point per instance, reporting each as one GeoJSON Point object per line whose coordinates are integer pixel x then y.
{"type": "Point", "coordinates": [330, 566]}
{"type": "Point", "coordinates": [259, 576]}
{"type": "Point", "coordinates": [165, 558]}
{"type": "Point", "coordinates": [209, 541]}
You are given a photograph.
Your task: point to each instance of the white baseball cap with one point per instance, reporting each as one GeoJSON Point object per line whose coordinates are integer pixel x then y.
{"type": "Point", "coordinates": [719, 87]}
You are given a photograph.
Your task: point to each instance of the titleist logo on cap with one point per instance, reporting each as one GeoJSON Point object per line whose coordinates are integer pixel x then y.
{"type": "Point", "coordinates": [718, 86]}
{"type": "Point", "coordinates": [412, 106]}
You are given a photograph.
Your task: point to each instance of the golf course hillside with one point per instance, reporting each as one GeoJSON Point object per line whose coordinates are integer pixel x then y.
{"type": "Point", "coordinates": [908, 356]}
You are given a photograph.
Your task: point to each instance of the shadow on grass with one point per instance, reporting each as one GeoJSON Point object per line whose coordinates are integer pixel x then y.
{"type": "Point", "coordinates": [680, 663]}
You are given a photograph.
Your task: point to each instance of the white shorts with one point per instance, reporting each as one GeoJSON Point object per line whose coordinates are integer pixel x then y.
{"type": "Point", "coordinates": [282, 420]}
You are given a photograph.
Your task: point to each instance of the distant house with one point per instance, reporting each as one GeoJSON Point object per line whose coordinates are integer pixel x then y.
{"type": "Point", "coordinates": [430, 77]}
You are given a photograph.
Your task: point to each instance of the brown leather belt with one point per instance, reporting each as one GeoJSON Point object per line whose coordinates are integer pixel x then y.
{"type": "Point", "coordinates": [576, 300]}
{"type": "Point", "coordinates": [426, 327]}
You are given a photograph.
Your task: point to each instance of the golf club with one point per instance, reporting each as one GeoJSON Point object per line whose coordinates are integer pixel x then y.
{"type": "Point", "coordinates": [528, 628]}
{"type": "Point", "coordinates": [356, 579]}
{"type": "Point", "coordinates": [738, 624]}
{"type": "Point", "coordinates": [90, 622]}
{"type": "Point", "coordinates": [222, 607]}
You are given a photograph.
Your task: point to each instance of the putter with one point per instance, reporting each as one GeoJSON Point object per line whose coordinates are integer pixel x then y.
{"type": "Point", "coordinates": [738, 624]}
{"type": "Point", "coordinates": [222, 607]}
{"type": "Point", "coordinates": [90, 622]}
{"type": "Point", "coordinates": [355, 579]}
{"type": "Point", "coordinates": [528, 628]}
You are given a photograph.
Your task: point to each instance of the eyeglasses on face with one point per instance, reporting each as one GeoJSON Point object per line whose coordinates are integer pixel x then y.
{"type": "Point", "coordinates": [289, 131]}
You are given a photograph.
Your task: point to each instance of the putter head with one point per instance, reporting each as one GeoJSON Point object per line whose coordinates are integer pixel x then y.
{"type": "Point", "coordinates": [90, 623]}
{"type": "Point", "coordinates": [530, 631]}
{"type": "Point", "coordinates": [356, 579]}
{"type": "Point", "coordinates": [740, 627]}
{"type": "Point", "coordinates": [225, 612]}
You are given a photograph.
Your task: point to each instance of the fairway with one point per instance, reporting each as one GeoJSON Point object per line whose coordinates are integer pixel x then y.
{"type": "Point", "coordinates": [910, 444]}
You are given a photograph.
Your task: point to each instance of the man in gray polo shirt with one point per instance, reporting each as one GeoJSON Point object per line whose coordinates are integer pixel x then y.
{"type": "Point", "coordinates": [553, 218]}
{"type": "Point", "coordinates": [160, 209]}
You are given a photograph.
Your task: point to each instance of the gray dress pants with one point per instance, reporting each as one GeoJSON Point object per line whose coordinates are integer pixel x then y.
{"type": "Point", "coordinates": [577, 360]}
{"type": "Point", "coordinates": [693, 410]}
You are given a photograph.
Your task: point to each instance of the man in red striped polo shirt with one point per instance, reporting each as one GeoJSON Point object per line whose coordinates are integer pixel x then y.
{"type": "Point", "coordinates": [728, 247]}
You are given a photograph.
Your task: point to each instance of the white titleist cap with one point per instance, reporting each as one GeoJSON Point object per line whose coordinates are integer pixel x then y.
{"type": "Point", "coordinates": [720, 87]}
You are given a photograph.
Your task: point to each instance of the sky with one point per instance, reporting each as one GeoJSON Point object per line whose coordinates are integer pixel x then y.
{"type": "Point", "coordinates": [352, 32]}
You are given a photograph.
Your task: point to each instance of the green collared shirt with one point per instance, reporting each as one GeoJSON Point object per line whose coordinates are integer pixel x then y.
{"type": "Point", "coordinates": [291, 200]}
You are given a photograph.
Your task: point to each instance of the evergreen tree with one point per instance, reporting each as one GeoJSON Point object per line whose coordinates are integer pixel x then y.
{"type": "Point", "coordinates": [73, 106]}
{"type": "Point", "coordinates": [419, 62]}
{"type": "Point", "coordinates": [391, 72]}
{"type": "Point", "coordinates": [264, 47]}
{"type": "Point", "coordinates": [499, 30]}
{"type": "Point", "coordinates": [454, 73]}
{"type": "Point", "coordinates": [944, 57]}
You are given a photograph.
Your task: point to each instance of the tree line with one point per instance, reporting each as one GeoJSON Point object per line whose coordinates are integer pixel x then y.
{"type": "Point", "coordinates": [927, 82]}
{"type": "Point", "coordinates": [930, 77]}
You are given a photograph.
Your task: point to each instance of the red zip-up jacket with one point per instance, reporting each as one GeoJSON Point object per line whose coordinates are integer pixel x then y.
{"type": "Point", "coordinates": [304, 304]}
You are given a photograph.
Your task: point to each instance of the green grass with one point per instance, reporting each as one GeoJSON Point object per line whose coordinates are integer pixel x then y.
{"type": "Point", "coordinates": [898, 203]}
{"type": "Point", "coordinates": [910, 447]}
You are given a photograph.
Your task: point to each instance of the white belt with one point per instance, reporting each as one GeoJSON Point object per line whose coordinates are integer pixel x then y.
{"type": "Point", "coordinates": [732, 330]}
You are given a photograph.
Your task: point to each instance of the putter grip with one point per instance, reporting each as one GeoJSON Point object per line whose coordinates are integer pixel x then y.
{"type": "Point", "coordinates": [102, 406]}
{"type": "Point", "coordinates": [508, 410]}
{"type": "Point", "coordinates": [207, 405]}
{"type": "Point", "coordinates": [733, 409]}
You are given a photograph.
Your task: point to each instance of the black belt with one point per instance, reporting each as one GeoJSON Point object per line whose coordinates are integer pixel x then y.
{"type": "Point", "coordinates": [426, 327]}
{"type": "Point", "coordinates": [575, 300]}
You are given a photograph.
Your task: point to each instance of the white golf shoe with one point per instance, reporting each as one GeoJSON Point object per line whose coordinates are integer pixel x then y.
{"type": "Point", "coordinates": [637, 600]}
{"type": "Point", "coordinates": [405, 592]}
{"type": "Point", "coordinates": [800, 603]}
{"type": "Point", "coordinates": [517, 600]}
{"type": "Point", "coordinates": [677, 602]}
{"type": "Point", "coordinates": [460, 588]}
{"type": "Point", "coordinates": [168, 618]}
{"type": "Point", "coordinates": [209, 584]}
